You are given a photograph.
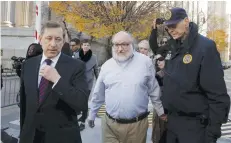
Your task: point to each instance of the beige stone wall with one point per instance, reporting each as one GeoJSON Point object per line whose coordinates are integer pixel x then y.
{"type": "Point", "coordinates": [17, 29]}
{"type": "Point", "coordinates": [17, 13]}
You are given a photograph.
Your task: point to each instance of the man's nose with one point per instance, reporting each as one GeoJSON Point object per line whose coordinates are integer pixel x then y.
{"type": "Point", "coordinates": [53, 43]}
{"type": "Point", "coordinates": [120, 48]}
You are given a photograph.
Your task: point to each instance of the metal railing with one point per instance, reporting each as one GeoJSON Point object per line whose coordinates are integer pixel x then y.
{"type": "Point", "coordinates": [10, 89]}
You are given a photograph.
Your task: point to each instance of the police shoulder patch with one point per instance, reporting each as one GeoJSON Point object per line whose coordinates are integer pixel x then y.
{"type": "Point", "coordinates": [168, 15]}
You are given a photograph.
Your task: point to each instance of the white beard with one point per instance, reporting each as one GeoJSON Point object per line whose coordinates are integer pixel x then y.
{"type": "Point", "coordinates": [120, 57]}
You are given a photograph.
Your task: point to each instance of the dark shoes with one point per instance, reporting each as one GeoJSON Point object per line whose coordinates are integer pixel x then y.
{"type": "Point", "coordinates": [82, 126]}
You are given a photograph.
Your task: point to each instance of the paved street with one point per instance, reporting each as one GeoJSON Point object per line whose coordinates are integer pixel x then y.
{"type": "Point", "coordinates": [88, 135]}
{"type": "Point", "coordinates": [94, 135]}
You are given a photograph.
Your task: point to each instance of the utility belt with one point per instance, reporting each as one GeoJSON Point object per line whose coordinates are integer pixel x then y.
{"type": "Point", "coordinates": [129, 121]}
{"type": "Point", "coordinates": [204, 119]}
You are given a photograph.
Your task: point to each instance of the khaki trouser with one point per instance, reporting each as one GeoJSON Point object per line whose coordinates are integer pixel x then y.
{"type": "Point", "coordinates": [114, 132]}
{"type": "Point", "coordinates": [158, 129]}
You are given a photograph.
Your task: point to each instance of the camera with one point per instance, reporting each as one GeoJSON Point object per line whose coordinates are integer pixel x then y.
{"type": "Point", "coordinates": [160, 21]}
{"type": "Point", "coordinates": [17, 62]}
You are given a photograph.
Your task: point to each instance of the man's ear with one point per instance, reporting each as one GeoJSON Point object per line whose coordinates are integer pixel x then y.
{"type": "Point", "coordinates": [40, 38]}
{"type": "Point", "coordinates": [186, 20]}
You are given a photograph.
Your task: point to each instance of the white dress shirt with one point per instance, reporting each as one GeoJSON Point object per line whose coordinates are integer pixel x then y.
{"type": "Point", "coordinates": [43, 63]}
{"type": "Point", "coordinates": [126, 88]}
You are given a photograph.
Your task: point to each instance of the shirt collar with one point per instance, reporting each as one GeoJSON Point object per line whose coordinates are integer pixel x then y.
{"type": "Point", "coordinates": [54, 60]}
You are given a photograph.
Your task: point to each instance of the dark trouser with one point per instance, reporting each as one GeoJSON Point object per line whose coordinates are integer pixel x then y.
{"type": "Point", "coordinates": [85, 112]}
{"type": "Point", "coordinates": [39, 137]}
{"type": "Point", "coordinates": [182, 129]}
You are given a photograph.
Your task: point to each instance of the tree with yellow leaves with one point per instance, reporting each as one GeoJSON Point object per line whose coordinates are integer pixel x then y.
{"type": "Point", "coordinates": [102, 19]}
{"type": "Point", "coordinates": [219, 36]}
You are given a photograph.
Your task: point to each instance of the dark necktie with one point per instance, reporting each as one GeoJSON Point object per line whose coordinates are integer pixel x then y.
{"type": "Point", "coordinates": [43, 84]}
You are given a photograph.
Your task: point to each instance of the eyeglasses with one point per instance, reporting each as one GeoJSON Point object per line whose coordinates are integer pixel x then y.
{"type": "Point", "coordinates": [160, 59]}
{"type": "Point", "coordinates": [123, 45]}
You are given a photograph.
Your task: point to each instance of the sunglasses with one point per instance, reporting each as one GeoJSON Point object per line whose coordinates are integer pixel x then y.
{"type": "Point", "coordinates": [163, 42]}
{"type": "Point", "coordinates": [160, 59]}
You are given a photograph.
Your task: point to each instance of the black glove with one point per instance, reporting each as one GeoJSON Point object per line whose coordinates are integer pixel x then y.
{"type": "Point", "coordinates": [91, 123]}
{"type": "Point", "coordinates": [213, 132]}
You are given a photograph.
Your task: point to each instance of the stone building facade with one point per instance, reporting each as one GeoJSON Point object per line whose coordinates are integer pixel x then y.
{"type": "Point", "coordinates": [17, 29]}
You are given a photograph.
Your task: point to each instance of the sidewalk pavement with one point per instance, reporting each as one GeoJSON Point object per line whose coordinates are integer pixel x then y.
{"type": "Point", "coordinates": [90, 135]}
{"type": "Point", "coordinates": [93, 135]}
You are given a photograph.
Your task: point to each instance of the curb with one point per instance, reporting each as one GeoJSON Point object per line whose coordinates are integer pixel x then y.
{"type": "Point", "coordinates": [15, 124]}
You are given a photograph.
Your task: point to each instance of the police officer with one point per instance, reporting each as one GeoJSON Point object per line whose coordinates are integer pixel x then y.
{"type": "Point", "coordinates": [194, 91]}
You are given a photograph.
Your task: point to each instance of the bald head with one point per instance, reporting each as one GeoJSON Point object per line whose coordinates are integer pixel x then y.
{"type": "Point", "coordinates": [122, 46]}
{"type": "Point", "coordinates": [122, 37]}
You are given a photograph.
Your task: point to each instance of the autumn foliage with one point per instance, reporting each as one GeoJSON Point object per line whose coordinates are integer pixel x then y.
{"type": "Point", "coordinates": [219, 36]}
{"type": "Point", "coordinates": [217, 32]}
{"type": "Point", "coordinates": [102, 19]}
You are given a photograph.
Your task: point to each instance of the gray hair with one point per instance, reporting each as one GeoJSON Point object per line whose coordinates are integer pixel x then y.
{"type": "Point", "coordinates": [144, 44]}
{"type": "Point", "coordinates": [51, 24]}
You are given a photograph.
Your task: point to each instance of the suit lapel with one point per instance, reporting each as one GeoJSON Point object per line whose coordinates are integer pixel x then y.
{"type": "Point", "coordinates": [34, 78]}
{"type": "Point", "coordinates": [58, 67]}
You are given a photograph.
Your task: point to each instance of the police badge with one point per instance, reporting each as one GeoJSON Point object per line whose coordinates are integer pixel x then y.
{"type": "Point", "coordinates": [168, 15]}
{"type": "Point", "coordinates": [187, 59]}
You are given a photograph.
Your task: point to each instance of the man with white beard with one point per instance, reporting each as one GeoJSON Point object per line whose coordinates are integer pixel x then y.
{"type": "Point", "coordinates": [125, 84]}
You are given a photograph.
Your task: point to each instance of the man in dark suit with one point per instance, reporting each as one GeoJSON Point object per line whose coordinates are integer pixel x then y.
{"type": "Point", "coordinates": [53, 89]}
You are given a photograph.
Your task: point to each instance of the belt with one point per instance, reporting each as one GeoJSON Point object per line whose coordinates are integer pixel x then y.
{"type": "Point", "coordinates": [202, 117]}
{"type": "Point", "coordinates": [183, 114]}
{"type": "Point", "coordinates": [129, 121]}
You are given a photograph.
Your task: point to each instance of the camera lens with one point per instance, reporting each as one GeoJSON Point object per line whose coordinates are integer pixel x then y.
{"type": "Point", "coordinates": [159, 21]}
